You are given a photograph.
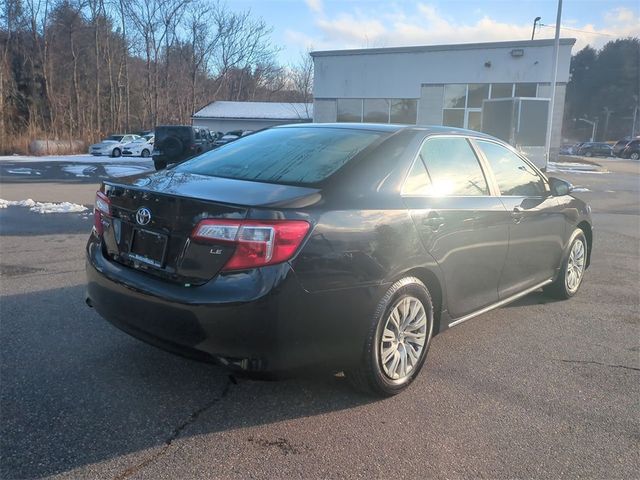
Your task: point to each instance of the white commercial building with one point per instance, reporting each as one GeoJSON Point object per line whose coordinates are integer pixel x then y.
{"type": "Point", "coordinates": [225, 116]}
{"type": "Point", "coordinates": [436, 85]}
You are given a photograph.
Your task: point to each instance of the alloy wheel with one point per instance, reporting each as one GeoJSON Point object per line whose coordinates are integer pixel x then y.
{"type": "Point", "coordinates": [403, 338]}
{"type": "Point", "coordinates": [575, 266]}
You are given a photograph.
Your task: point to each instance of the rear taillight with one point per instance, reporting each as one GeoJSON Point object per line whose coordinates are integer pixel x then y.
{"type": "Point", "coordinates": [258, 243]}
{"type": "Point", "coordinates": [101, 207]}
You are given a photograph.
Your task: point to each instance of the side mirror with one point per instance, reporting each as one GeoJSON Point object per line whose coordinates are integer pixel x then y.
{"type": "Point", "coordinates": [559, 187]}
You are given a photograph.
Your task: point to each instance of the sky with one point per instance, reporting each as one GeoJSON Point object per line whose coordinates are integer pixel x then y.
{"type": "Point", "coordinates": [300, 25]}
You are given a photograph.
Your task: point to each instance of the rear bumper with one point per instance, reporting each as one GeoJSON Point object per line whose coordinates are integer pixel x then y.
{"type": "Point", "coordinates": [257, 320]}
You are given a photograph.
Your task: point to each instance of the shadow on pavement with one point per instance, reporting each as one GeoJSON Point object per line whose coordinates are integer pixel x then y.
{"type": "Point", "coordinates": [76, 391]}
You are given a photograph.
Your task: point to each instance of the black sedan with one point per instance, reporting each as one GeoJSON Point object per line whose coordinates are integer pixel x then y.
{"type": "Point", "coordinates": [340, 246]}
{"type": "Point", "coordinates": [595, 149]}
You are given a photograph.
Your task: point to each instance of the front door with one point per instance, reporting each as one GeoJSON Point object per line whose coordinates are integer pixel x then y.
{"type": "Point", "coordinates": [536, 226]}
{"type": "Point", "coordinates": [460, 223]}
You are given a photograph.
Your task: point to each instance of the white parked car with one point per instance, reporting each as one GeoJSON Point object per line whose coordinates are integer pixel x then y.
{"type": "Point", "coordinates": [142, 147]}
{"type": "Point", "coordinates": [113, 145]}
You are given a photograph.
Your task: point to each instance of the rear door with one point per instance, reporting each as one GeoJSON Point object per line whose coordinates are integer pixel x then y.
{"type": "Point", "coordinates": [461, 223]}
{"type": "Point", "coordinates": [537, 224]}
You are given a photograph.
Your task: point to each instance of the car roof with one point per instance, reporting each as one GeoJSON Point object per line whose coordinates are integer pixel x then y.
{"type": "Point", "coordinates": [392, 128]}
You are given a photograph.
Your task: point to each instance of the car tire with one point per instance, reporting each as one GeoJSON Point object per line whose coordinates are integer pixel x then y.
{"type": "Point", "coordinates": [634, 156]}
{"type": "Point", "coordinates": [406, 297]}
{"type": "Point", "coordinates": [575, 259]}
{"type": "Point", "coordinates": [588, 154]}
{"type": "Point", "coordinates": [159, 164]}
{"type": "Point", "coordinates": [145, 153]}
{"type": "Point", "coordinates": [116, 152]}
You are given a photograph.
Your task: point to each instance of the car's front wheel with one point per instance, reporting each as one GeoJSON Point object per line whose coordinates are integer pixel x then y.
{"type": "Point", "coordinates": [569, 279]}
{"type": "Point", "coordinates": [588, 154]}
{"type": "Point", "coordinates": [398, 340]}
{"type": "Point", "coordinates": [145, 153]}
{"type": "Point", "coordinates": [116, 152]}
{"type": "Point", "coordinates": [634, 156]}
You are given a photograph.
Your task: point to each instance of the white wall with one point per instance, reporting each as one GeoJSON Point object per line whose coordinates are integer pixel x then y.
{"type": "Point", "coordinates": [400, 72]}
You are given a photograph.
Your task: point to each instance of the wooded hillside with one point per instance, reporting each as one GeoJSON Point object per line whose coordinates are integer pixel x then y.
{"type": "Point", "coordinates": [80, 69]}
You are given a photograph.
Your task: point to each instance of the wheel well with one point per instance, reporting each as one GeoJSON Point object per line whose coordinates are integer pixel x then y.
{"type": "Point", "coordinates": [586, 228]}
{"type": "Point", "coordinates": [433, 285]}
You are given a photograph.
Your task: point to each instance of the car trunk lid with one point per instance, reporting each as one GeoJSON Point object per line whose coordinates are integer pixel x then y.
{"type": "Point", "coordinates": [152, 219]}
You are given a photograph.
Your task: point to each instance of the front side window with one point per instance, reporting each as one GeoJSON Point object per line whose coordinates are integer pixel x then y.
{"type": "Point", "coordinates": [299, 156]}
{"type": "Point", "coordinates": [453, 168]}
{"type": "Point", "coordinates": [514, 176]}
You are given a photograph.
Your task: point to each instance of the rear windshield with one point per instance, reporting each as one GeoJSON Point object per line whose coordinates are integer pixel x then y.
{"type": "Point", "coordinates": [181, 132]}
{"type": "Point", "coordinates": [283, 155]}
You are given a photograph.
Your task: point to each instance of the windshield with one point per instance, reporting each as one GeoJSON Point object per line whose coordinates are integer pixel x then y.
{"type": "Point", "coordinates": [115, 138]}
{"type": "Point", "coordinates": [283, 155]}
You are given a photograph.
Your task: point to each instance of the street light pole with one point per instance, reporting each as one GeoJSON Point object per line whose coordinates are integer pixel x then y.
{"type": "Point", "coordinates": [533, 32]}
{"type": "Point", "coordinates": [554, 79]}
{"type": "Point", "coordinates": [594, 125]}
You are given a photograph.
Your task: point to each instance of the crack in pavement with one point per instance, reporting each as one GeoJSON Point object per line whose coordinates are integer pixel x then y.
{"type": "Point", "coordinates": [600, 363]}
{"type": "Point", "coordinates": [176, 432]}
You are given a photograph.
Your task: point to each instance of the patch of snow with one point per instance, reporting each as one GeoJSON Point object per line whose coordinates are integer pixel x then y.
{"type": "Point", "coordinates": [23, 171]}
{"type": "Point", "coordinates": [79, 170]}
{"type": "Point", "coordinates": [16, 203]}
{"type": "Point", "coordinates": [69, 159]}
{"type": "Point", "coordinates": [124, 170]}
{"type": "Point", "coordinates": [581, 189]}
{"type": "Point", "coordinates": [44, 207]}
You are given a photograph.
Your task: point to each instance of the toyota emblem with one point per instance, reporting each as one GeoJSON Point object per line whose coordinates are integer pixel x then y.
{"type": "Point", "coordinates": [143, 216]}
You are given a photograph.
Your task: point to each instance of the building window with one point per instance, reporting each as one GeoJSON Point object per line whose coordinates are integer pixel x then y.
{"type": "Point", "coordinates": [501, 90]}
{"type": "Point", "coordinates": [526, 90]}
{"type": "Point", "coordinates": [477, 93]}
{"type": "Point", "coordinates": [455, 95]}
{"type": "Point", "coordinates": [377, 110]}
{"type": "Point", "coordinates": [404, 111]}
{"type": "Point", "coordinates": [349, 110]}
{"type": "Point", "coordinates": [462, 104]}
{"type": "Point", "coordinates": [453, 117]}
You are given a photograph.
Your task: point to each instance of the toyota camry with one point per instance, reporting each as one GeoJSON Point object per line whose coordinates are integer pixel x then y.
{"type": "Point", "coordinates": [341, 246]}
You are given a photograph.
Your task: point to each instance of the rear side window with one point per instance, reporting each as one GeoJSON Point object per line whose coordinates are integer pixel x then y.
{"type": "Point", "coordinates": [514, 176]}
{"type": "Point", "coordinates": [283, 155]}
{"type": "Point", "coordinates": [452, 169]}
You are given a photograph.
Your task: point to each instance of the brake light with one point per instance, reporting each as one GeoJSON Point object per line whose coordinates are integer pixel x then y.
{"type": "Point", "coordinates": [258, 243]}
{"type": "Point", "coordinates": [101, 207]}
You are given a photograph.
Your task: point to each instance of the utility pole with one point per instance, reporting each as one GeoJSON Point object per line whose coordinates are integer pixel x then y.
{"type": "Point", "coordinates": [594, 126]}
{"type": "Point", "coordinates": [635, 116]}
{"type": "Point", "coordinates": [554, 79]}
{"type": "Point", "coordinates": [533, 32]}
{"type": "Point", "coordinates": [607, 114]}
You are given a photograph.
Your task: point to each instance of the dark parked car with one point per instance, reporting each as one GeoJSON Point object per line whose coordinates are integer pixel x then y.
{"type": "Point", "coordinates": [341, 246]}
{"type": "Point", "coordinates": [595, 149]}
{"type": "Point", "coordinates": [177, 143]}
{"type": "Point", "coordinates": [631, 150]}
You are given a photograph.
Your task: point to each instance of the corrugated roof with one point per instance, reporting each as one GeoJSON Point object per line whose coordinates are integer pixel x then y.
{"type": "Point", "coordinates": [257, 110]}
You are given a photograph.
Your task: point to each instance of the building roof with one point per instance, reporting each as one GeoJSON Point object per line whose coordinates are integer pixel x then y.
{"type": "Point", "coordinates": [437, 48]}
{"type": "Point", "coordinates": [257, 111]}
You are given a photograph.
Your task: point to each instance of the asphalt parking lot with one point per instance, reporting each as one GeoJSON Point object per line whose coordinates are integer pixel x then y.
{"type": "Point", "coordinates": [538, 389]}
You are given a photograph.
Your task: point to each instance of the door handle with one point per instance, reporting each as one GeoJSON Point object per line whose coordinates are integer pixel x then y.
{"type": "Point", "coordinates": [517, 214]}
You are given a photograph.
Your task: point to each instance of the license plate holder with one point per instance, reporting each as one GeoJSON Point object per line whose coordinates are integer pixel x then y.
{"type": "Point", "coordinates": [148, 247]}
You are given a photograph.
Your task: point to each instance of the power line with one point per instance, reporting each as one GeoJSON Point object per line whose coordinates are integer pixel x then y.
{"type": "Point", "coordinates": [578, 30]}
